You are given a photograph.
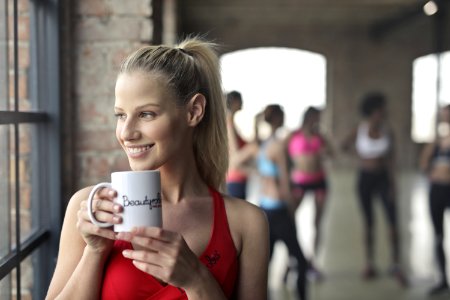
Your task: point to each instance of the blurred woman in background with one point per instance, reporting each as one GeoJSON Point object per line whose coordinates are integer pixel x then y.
{"type": "Point", "coordinates": [307, 148]}
{"type": "Point", "coordinates": [374, 144]}
{"type": "Point", "coordinates": [275, 197]}
{"type": "Point", "coordinates": [435, 161]}
{"type": "Point", "coordinates": [237, 171]}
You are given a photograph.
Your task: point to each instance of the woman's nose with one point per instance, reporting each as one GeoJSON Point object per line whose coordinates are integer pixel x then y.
{"type": "Point", "coordinates": [129, 130]}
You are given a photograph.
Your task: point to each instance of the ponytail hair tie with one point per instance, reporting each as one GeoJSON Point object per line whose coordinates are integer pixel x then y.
{"type": "Point", "coordinates": [184, 51]}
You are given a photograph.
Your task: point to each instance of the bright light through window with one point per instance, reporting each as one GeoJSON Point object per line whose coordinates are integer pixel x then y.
{"type": "Point", "coordinates": [424, 95]}
{"type": "Point", "coordinates": [293, 78]}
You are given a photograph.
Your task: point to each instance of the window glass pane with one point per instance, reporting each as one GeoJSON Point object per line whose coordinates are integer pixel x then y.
{"type": "Point", "coordinates": [7, 199]}
{"type": "Point", "coordinates": [3, 57]}
{"type": "Point", "coordinates": [23, 36]}
{"type": "Point", "coordinates": [6, 288]}
{"type": "Point", "coordinates": [10, 53]}
{"type": "Point", "coordinates": [26, 278]}
{"type": "Point", "coordinates": [23, 50]}
{"type": "Point", "coordinates": [426, 97]}
{"type": "Point", "coordinates": [28, 161]}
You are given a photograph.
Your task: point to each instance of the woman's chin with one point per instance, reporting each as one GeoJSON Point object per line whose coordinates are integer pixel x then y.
{"type": "Point", "coordinates": [141, 166]}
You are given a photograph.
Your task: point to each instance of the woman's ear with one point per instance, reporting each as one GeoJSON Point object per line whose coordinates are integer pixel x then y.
{"type": "Point", "coordinates": [196, 109]}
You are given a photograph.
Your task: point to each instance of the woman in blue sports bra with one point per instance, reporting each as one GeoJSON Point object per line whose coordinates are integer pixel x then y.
{"type": "Point", "coordinates": [275, 193]}
{"type": "Point", "coordinates": [435, 161]}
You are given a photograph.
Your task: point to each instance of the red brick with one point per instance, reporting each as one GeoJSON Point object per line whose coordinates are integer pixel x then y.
{"type": "Point", "coordinates": [111, 28]}
{"type": "Point", "coordinates": [24, 139]}
{"type": "Point", "coordinates": [23, 88]}
{"type": "Point", "coordinates": [92, 8]}
{"type": "Point", "coordinates": [97, 140]}
{"type": "Point", "coordinates": [95, 167]}
{"type": "Point", "coordinates": [24, 28]}
{"type": "Point", "coordinates": [25, 197]}
{"type": "Point", "coordinates": [131, 7]}
{"type": "Point", "coordinates": [23, 6]}
{"type": "Point", "coordinates": [97, 113]}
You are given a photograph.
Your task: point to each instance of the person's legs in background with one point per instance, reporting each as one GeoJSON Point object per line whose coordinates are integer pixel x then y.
{"type": "Point", "coordinates": [439, 198]}
{"type": "Point", "coordinates": [365, 187]}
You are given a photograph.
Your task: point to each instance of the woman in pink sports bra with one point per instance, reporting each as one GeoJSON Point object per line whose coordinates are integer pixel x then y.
{"type": "Point", "coordinates": [170, 117]}
{"type": "Point", "coordinates": [307, 148]}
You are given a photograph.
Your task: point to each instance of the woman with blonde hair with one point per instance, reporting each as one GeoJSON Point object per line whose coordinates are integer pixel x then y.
{"type": "Point", "coordinates": [170, 117]}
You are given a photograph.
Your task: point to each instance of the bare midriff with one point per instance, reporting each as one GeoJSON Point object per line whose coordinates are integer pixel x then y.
{"type": "Point", "coordinates": [440, 173]}
{"type": "Point", "coordinates": [270, 188]}
{"type": "Point", "coordinates": [373, 164]}
{"type": "Point", "coordinates": [308, 163]}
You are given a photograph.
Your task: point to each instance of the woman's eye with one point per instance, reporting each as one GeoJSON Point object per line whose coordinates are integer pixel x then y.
{"type": "Point", "coordinates": [147, 115]}
{"type": "Point", "coordinates": [120, 116]}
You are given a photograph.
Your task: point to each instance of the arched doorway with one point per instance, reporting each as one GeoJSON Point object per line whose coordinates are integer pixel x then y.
{"type": "Point", "coordinates": [293, 78]}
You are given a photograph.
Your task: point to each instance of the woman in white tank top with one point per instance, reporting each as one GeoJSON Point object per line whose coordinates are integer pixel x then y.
{"type": "Point", "coordinates": [373, 142]}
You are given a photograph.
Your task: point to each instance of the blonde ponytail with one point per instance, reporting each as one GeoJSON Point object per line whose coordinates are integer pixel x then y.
{"type": "Point", "coordinates": [210, 139]}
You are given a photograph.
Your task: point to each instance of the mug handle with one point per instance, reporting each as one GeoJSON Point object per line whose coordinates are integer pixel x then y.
{"type": "Point", "coordinates": [89, 204]}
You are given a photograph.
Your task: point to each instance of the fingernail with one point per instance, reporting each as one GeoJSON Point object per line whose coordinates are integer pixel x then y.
{"type": "Point", "coordinates": [117, 219]}
{"type": "Point", "coordinates": [117, 208]}
{"type": "Point", "coordinates": [112, 193]}
{"type": "Point", "coordinates": [126, 253]}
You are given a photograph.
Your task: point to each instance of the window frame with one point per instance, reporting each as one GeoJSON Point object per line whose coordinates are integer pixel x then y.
{"type": "Point", "coordinates": [44, 91]}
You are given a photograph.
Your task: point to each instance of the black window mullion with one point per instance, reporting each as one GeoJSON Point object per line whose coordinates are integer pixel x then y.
{"type": "Point", "coordinates": [9, 262]}
{"type": "Point", "coordinates": [17, 187]}
{"type": "Point", "coordinates": [16, 55]}
{"type": "Point", "coordinates": [16, 143]}
{"type": "Point", "coordinates": [14, 117]}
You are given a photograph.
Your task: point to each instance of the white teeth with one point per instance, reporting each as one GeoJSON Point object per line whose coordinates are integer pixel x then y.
{"type": "Point", "coordinates": [134, 150]}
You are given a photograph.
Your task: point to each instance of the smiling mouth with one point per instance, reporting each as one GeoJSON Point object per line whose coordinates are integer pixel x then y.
{"type": "Point", "coordinates": [138, 150]}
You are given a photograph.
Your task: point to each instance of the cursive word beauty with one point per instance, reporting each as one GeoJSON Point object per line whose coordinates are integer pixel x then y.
{"type": "Point", "coordinates": [151, 203]}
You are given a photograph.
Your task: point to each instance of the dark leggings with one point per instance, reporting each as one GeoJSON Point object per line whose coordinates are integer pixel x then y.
{"type": "Point", "coordinates": [371, 184]}
{"type": "Point", "coordinates": [439, 201]}
{"type": "Point", "coordinates": [282, 227]}
{"type": "Point", "coordinates": [237, 189]}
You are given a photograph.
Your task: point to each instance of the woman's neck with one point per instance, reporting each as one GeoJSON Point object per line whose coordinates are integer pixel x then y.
{"type": "Point", "coordinates": [181, 180]}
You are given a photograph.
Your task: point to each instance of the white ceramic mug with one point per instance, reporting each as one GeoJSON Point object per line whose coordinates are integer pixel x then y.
{"type": "Point", "coordinates": [139, 193]}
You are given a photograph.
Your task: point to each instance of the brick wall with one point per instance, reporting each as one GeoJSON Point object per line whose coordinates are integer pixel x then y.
{"type": "Point", "coordinates": [105, 32]}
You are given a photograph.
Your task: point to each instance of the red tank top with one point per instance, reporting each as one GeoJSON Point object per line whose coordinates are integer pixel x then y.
{"type": "Point", "coordinates": [122, 280]}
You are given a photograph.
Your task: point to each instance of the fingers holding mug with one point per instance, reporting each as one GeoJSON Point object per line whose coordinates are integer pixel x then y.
{"type": "Point", "coordinates": [101, 218]}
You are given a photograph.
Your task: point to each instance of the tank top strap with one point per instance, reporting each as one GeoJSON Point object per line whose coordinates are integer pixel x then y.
{"type": "Point", "coordinates": [220, 213]}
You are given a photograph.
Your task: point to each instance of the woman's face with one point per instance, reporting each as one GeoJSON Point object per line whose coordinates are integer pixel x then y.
{"type": "Point", "coordinates": [150, 127]}
{"type": "Point", "coordinates": [235, 105]}
{"type": "Point", "coordinates": [378, 115]}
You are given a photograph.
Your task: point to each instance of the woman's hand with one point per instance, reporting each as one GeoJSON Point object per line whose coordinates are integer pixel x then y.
{"type": "Point", "coordinates": [164, 255]}
{"type": "Point", "coordinates": [99, 240]}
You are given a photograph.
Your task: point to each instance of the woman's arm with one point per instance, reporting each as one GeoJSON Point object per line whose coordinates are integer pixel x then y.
{"type": "Point", "coordinates": [349, 141]}
{"type": "Point", "coordinates": [328, 147]}
{"type": "Point", "coordinates": [79, 269]}
{"type": "Point", "coordinates": [231, 133]}
{"type": "Point", "coordinates": [280, 158]}
{"type": "Point", "coordinates": [425, 157]}
{"type": "Point", "coordinates": [254, 252]}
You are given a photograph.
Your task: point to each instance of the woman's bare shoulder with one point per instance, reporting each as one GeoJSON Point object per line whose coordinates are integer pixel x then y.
{"type": "Point", "coordinates": [77, 198]}
{"type": "Point", "coordinates": [241, 208]}
{"type": "Point", "coordinates": [244, 217]}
